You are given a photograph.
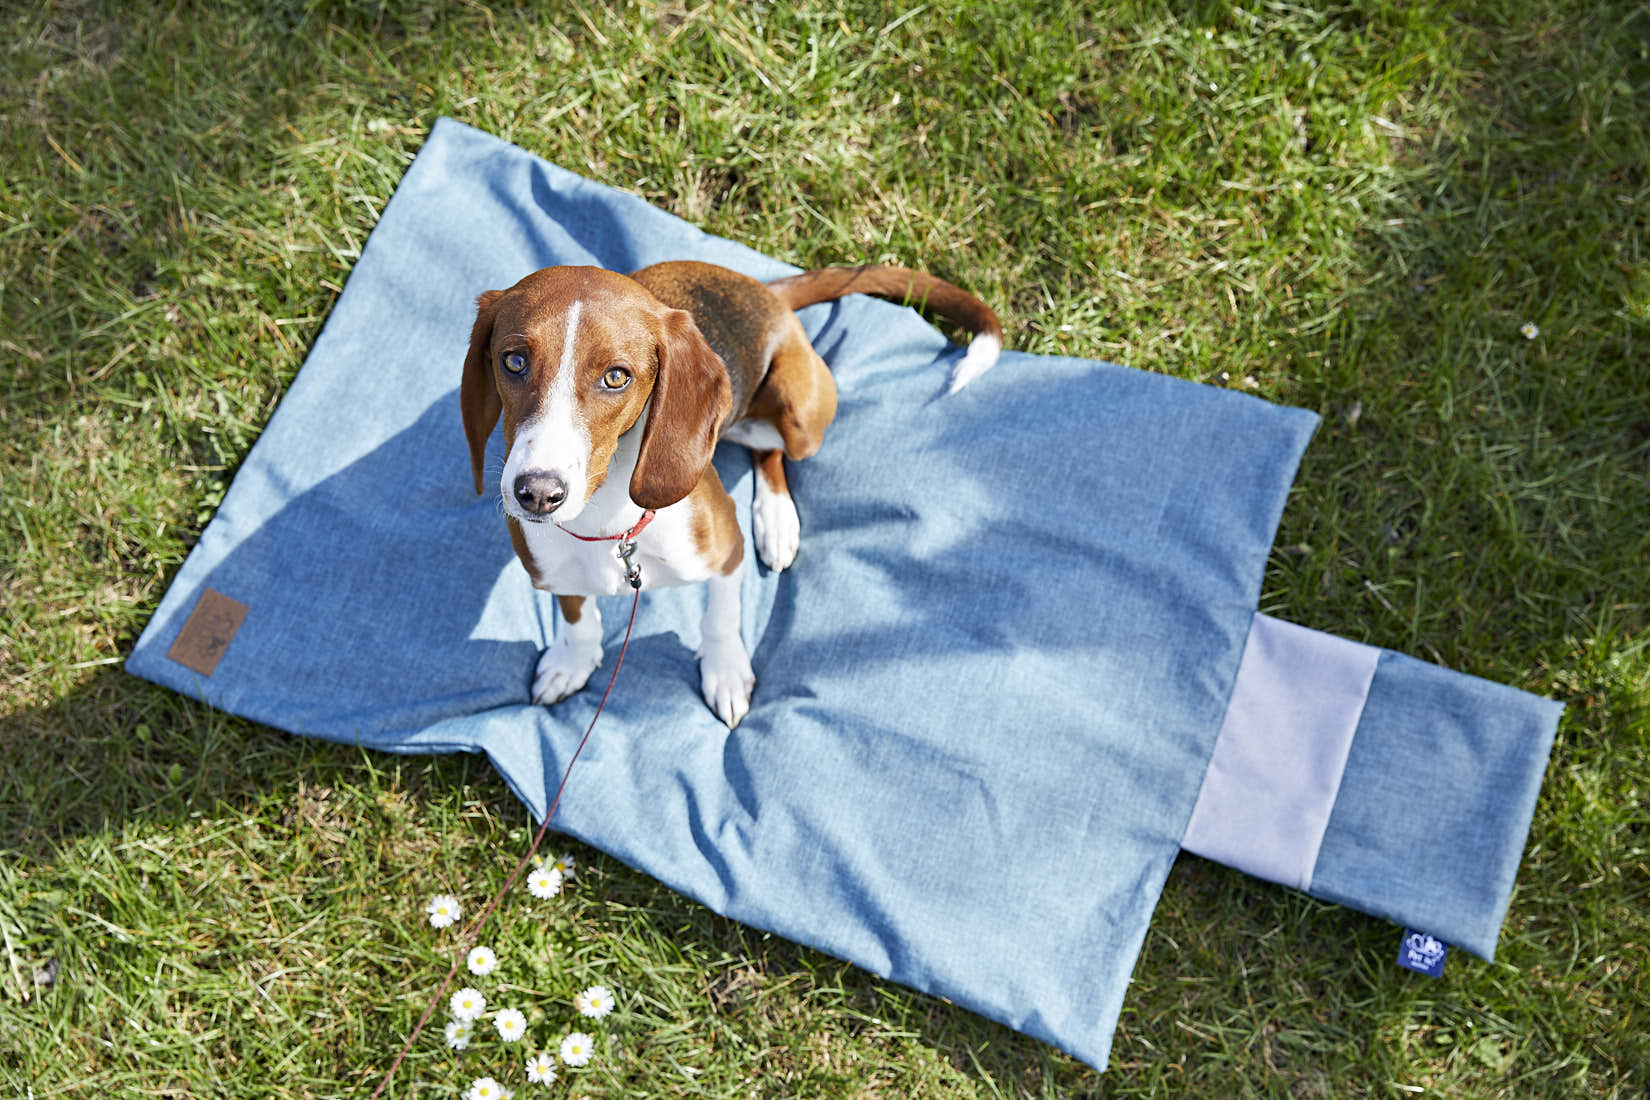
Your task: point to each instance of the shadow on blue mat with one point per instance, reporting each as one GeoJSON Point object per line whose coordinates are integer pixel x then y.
{"type": "Point", "coordinates": [357, 570]}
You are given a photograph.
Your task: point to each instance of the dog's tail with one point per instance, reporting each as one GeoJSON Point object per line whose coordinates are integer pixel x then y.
{"type": "Point", "coordinates": [911, 288]}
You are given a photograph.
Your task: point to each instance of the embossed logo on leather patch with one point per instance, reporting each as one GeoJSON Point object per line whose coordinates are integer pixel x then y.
{"type": "Point", "coordinates": [207, 632]}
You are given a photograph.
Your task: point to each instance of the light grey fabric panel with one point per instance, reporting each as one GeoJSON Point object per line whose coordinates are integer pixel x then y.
{"type": "Point", "coordinates": [1277, 765]}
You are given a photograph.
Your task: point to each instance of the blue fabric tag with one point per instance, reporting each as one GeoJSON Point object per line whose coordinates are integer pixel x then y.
{"type": "Point", "coordinates": [1422, 953]}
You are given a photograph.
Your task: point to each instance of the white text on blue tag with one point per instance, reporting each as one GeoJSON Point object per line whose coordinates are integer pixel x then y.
{"type": "Point", "coordinates": [1422, 953]}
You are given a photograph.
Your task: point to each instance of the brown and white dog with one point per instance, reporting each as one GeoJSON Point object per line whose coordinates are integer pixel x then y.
{"type": "Point", "coordinates": [614, 391]}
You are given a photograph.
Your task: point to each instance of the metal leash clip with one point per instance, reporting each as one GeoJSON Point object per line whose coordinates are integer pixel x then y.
{"type": "Point", "coordinates": [632, 572]}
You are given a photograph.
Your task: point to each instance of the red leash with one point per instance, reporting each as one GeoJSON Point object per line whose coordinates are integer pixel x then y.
{"type": "Point", "coordinates": [474, 931]}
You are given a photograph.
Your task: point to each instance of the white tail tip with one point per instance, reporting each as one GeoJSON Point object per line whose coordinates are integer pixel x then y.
{"type": "Point", "coordinates": [982, 353]}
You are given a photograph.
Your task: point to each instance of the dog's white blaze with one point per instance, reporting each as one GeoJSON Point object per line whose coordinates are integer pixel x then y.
{"type": "Point", "coordinates": [555, 438]}
{"type": "Point", "coordinates": [570, 345]}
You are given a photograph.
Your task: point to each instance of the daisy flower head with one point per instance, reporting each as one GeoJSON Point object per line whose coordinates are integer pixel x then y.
{"type": "Point", "coordinates": [485, 1088]}
{"type": "Point", "coordinates": [443, 910]}
{"type": "Point", "coordinates": [458, 1034]}
{"type": "Point", "coordinates": [542, 1069]}
{"type": "Point", "coordinates": [577, 1048]}
{"type": "Point", "coordinates": [481, 961]}
{"type": "Point", "coordinates": [467, 1004]}
{"type": "Point", "coordinates": [1529, 330]}
{"type": "Point", "coordinates": [511, 1024]}
{"type": "Point", "coordinates": [564, 864]}
{"type": "Point", "coordinates": [545, 882]}
{"type": "Point", "coordinates": [595, 1002]}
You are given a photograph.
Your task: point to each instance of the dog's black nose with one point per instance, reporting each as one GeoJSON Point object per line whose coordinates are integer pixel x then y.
{"type": "Point", "coordinates": [540, 493]}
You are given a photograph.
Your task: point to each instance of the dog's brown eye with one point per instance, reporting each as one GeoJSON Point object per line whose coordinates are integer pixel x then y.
{"type": "Point", "coordinates": [616, 378]}
{"type": "Point", "coordinates": [514, 362]}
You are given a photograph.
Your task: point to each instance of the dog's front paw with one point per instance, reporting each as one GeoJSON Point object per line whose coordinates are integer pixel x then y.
{"type": "Point", "coordinates": [564, 667]}
{"type": "Point", "coordinates": [726, 679]}
{"type": "Point", "coordinates": [777, 530]}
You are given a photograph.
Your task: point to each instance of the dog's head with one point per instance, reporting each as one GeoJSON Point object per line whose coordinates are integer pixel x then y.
{"type": "Point", "coordinates": [572, 359]}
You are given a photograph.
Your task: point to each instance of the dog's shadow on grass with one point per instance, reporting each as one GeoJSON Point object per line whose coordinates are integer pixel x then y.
{"type": "Point", "coordinates": [117, 756]}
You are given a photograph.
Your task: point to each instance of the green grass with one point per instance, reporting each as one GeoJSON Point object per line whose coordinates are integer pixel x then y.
{"type": "Point", "coordinates": [1351, 208]}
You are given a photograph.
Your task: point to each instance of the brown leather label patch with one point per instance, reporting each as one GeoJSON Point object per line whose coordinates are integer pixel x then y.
{"type": "Point", "coordinates": [207, 632]}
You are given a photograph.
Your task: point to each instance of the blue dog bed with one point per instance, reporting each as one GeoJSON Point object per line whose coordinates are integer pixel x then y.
{"type": "Point", "coordinates": [1016, 668]}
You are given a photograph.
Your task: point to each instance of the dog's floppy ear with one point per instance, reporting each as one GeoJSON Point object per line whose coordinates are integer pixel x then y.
{"type": "Point", "coordinates": [477, 392]}
{"type": "Point", "coordinates": [691, 398]}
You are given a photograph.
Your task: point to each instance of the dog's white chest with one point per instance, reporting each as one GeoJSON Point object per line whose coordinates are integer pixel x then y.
{"type": "Point", "coordinates": [665, 552]}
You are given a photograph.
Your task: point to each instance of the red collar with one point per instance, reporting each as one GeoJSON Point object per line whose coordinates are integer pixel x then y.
{"type": "Point", "coordinates": [628, 536]}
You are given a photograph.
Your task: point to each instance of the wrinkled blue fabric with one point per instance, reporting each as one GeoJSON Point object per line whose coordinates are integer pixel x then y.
{"type": "Point", "coordinates": [986, 692]}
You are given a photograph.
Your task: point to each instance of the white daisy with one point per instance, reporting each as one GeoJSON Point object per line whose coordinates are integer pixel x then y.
{"type": "Point", "coordinates": [467, 1004]}
{"type": "Point", "coordinates": [542, 1069]}
{"type": "Point", "coordinates": [458, 1034]}
{"type": "Point", "coordinates": [544, 882]}
{"type": "Point", "coordinates": [595, 1002]}
{"type": "Point", "coordinates": [511, 1025]}
{"type": "Point", "coordinates": [1530, 330]}
{"type": "Point", "coordinates": [577, 1048]}
{"type": "Point", "coordinates": [564, 864]}
{"type": "Point", "coordinates": [481, 961]}
{"type": "Point", "coordinates": [485, 1088]}
{"type": "Point", "coordinates": [443, 910]}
